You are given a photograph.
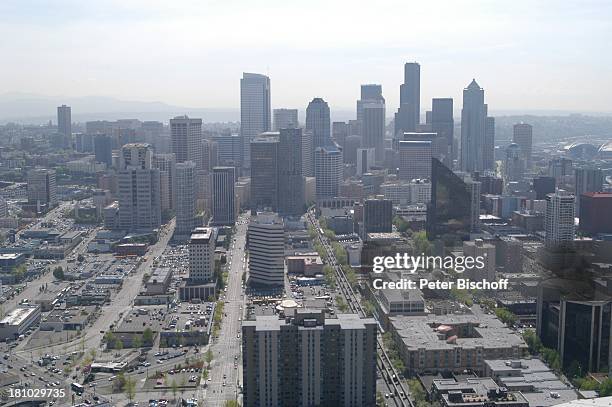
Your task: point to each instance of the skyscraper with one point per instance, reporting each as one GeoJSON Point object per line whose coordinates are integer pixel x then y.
{"type": "Point", "coordinates": [408, 115]}
{"type": "Point", "coordinates": [42, 187]}
{"type": "Point", "coordinates": [587, 180]}
{"type": "Point", "coordinates": [559, 218]}
{"type": "Point", "coordinates": [185, 199]}
{"type": "Point", "coordinates": [307, 360]}
{"type": "Point", "coordinates": [290, 179]}
{"type": "Point", "coordinates": [473, 128]}
{"type": "Point", "coordinates": [64, 120]}
{"type": "Point", "coordinates": [377, 216]}
{"type": "Point", "coordinates": [373, 128]}
{"type": "Point", "coordinates": [186, 137]}
{"type": "Point", "coordinates": [285, 119]}
{"type": "Point", "coordinates": [318, 122]}
{"type": "Point", "coordinates": [544, 186]}
{"type": "Point", "coordinates": [514, 166]}
{"type": "Point", "coordinates": [266, 243]}
{"type": "Point", "coordinates": [138, 188]}
{"type": "Point", "coordinates": [103, 149]}
{"type": "Point", "coordinates": [166, 164]}
{"type": "Point", "coordinates": [264, 171]}
{"type": "Point", "coordinates": [255, 114]}
{"type": "Point", "coordinates": [307, 153]}
{"type": "Point", "coordinates": [522, 134]}
{"type": "Point", "coordinates": [366, 157]}
{"type": "Point", "coordinates": [489, 144]}
{"type": "Point", "coordinates": [223, 207]}
{"type": "Point", "coordinates": [414, 160]}
{"type": "Point", "coordinates": [369, 93]}
{"type": "Point", "coordinates": [443, 124]}
{"type": "Point", "coordinates": [328, 171]}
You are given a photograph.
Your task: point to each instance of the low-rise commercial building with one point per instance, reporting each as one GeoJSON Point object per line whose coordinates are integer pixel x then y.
{"type": "Point", "coordinates": [18, 321]}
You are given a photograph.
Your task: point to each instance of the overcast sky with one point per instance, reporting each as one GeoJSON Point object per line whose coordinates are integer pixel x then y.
{"type": "Point", "coordinates": [527, 54]}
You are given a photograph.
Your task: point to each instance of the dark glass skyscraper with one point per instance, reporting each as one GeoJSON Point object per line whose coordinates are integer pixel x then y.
{"type": "Point", "coordinates": [103, 149]}
{"type": "Point", "coordinates": [318, 122]}
{"type": "Point", "coordinates": [264, 172]}
{"type": "Point", "coordinates": [407, 116]}
{"type": "Point", "coordinates": [443, 124]}
{"type": "Point", "coordinates": [290, 179]}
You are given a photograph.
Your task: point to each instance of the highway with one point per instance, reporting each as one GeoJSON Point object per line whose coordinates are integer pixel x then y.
{"type": "Point", "coordinates": [385, 367]}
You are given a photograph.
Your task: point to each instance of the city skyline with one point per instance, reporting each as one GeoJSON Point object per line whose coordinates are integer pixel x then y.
{"type": "Point", "coordinates": [521, 60]}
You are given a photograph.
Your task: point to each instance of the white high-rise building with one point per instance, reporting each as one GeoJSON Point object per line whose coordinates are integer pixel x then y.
{"type": "Point", "coordinates": [255, 115]}
{"type": "Point", "coordinates": [414, 160]}
{"type": "Point", "coordinates": [186, 137]}
{"type": "Point", "coordinates": [328, 171]}
{"type": "Point", "coordinates": [42, 187]}
{"type": "Point", "coordinates": [202, 255]}
{"type": "Point", "coordinates": [266, 243]}
{"type": "Point", "coordinates": [185, 198]}
{"type": "Point", "coordinates": [285, 119]}
{"type": "Point", "coordinates": [64, 120]}
{"type": "Point", "coordinates": [138, 188]}
{"type": "Point", "coordinates": [559, 220]}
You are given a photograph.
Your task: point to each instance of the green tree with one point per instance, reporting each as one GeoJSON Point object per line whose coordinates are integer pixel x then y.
{"type": "Point", "coordinates": [129, 388]}
{"type": "Point", "coordinates": [401, 224]}
{"type": "Point", "coordinates": [174, 388]}
{"type": "Point", "coordinates": [137, 341]}
{"type": "Point", "coordinates": [231, 403]}
{"type": "Point", "coordinates": [58, 273]}
{"type": "Point", "coordinates": [209, 356]}
{"type": "Point", "coordinates": [532, 341]}
{"type": "Point", "coordinates": [421, 244]}
{"type": "Point", "coordinates": [605, 389]}
{"type": "Point", "coordinates": [506, 316]}
{"type": "Point", "coordinates": [147, 336]}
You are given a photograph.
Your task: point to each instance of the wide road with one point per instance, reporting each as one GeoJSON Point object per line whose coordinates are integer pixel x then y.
{"type": "Point", "coordinates": [229, 345]}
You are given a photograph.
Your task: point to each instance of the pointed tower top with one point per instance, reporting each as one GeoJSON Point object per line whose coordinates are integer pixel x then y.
{"type": "Point", "coordinates": [473, 85]}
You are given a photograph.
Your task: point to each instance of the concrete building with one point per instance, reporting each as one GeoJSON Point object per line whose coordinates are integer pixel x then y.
{"type": "Point", "coordinates": [415, 160]}
{"type": "Point", "coordinates": [138, 189]}
{"type": "Point", "coordinates": [366, 159]}
{"type": "Point", "coordinates": [166, 164]}
{"type": "Point", "coordinates": [373, 127]}
{"type": "Point", "coordinates": [443, 124]}
{"type": "Point", "coordinates": [473, 125]}
{"type": "Point", "coordinates": [408, 115]}
{"type": "Point", "coordinates": [318, 122]}
{"type": "Point", "coordinates": [290, 177]}
{"type": "Point", "coordinates": [185, 199]}
{"type": "Point", "coordinates": [266, 244]}
{"type": "Point", "coordinates": [18, 321]}
{"type": "Point", "coordinates": [587, 180]}
{"type": "Point", "coordinates": [377, 216]}
{"type": "Point", "coordinates": [202, 255]}
{"type": "Point", "coordinates": [514, 164]}
{"type": "Point", "coordinates": [522, 134]}
{"type": "Point", "coordinates": [328, 171]}
{"type": "Point", "coordinates": [596, 212]}
{"type": "Point", "coordinates": [480, 248]}
{"type": "Point", "coordinates": [407, 193]}
{"type": "Point", "coordinates": [285, 119]}
{"type": "Point", "coordinates": [309, 360]}
{"type": "Point", "coordinates": [255, 115]}
{"type": "Point", "coordinates": [42, 187]}
{"type": "Point", "coordinates": [559, 218]}
{"type": "Point", "coordinates": [264, 171]}
{"type": "Point", "coordinates": [224, 205]}
{"type": "Point", "coordinates": [103, 149]}
{"type": "Point", "coordinates": [186, 135]}
{"type": "Point", "coordinates": [229, 149]}
{"type": "Point", "coordinates": [64, 120]}
{"type": "Point", "coordinates": [307, 153]}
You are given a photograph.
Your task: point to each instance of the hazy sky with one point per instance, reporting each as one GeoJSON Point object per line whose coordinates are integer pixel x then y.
{"type": "Point", "coordinates": [527, 54]}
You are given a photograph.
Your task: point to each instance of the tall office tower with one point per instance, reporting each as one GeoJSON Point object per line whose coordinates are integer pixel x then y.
{"type": "Point", "coordinates": [369, 93]}
{"type": "Point", "coordinates": [514, 166]}
{"type": "Point", "coordinates": [186, 137]}
{"type": "Point", "coordinates": [328, 171]}
{"type": "Point", "coordinates": [377, 216]}
{"type": "Point", "coordinates": [255, 115]}
{"type": "Point", "coordinates": [83, 142]}
{"type": "Point", "coordinates": [349, 152]}
{"type": "Point", "coordinates": [596, 212]}
{"type": "Point", "coordinates": [202, 255]}
{"type": "Point", "coordinates": [587, 180]}
{"type": "Point", "coordinates": [479, 248]}
{"type": "Point", "coordinates": [210, 155]}
{"type": "Point", "coordinates": [373, 128]}
{"type": "Point", "coordinates": [559, 218]}
{"type": "Point", "coordinates": [522, 134]}
{"type": "Point", "coordinates": [138, 188]}
{"type": "Point", "coordinates": [264, 171]}
{"type": "Point", "coordinates": [307, 153]}
{"type": "Point", "coordinates": [185, 198]}
{"type": "Point", "coordinates": [166, 164]}
{"type": "Point", "coordinates": [544, 186]}
{"type": "Point", "coordinates": [438, 143]}
{"type": "Point", "coordinates": [290, 180]}
{"type": "Point", "coordinates": [414, 160]}
{"type": "Point", "coordinates": [229, 149]}
{"type": "Point", "coordinates": [4, 212]}
{"type": "Point", "coordinates": [103, 149]}
{"type": "Point", "coordinates": [318, 122]}
{"type": "Point", "coordinates": [408, 115]}
{"type": "Point", "coordinates": [266, 244]}
{"type": "Point", "coordinates": [223, 206]}
{"type": "Point", "coordinates": [340, 131]}
{"type": "Point", "coordinates": [473, 129]}
{"type": "Point", "coordinates": [560, 167]}
{"type": "Point", "coordinates": [64, 120]}
{"type": "Point", "coordinates": [42, 187]}
{"type": "Point", "coordinates": [307, 360]}
{"type": "Point", "coordinates": [285, 119]}
{"type": "Point", "coordinates": [366, 158]}
{"type": "Point", "coordinates": [489, 144]}
{"type": "Point", "coordinates": [454, 210]}
{"type": "Point", "coordinates": [443, 124]}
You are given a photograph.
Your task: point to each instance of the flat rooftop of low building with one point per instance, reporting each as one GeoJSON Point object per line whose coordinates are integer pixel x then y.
{"type": "Point", "coordinates": [419, 332]}
{"type": "Point", "coordinates": [18, 315]}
